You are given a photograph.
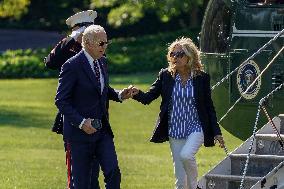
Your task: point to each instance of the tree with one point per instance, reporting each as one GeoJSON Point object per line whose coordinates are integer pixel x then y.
{"type": "Point", "coordinates": [13, 8]}
{"type": "Point", "coordinates": [127, 12]}
{"type": "Point", "coordinates": [39, 14]}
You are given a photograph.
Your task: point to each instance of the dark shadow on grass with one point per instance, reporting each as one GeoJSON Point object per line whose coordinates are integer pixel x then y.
{"type": "Point", "coordinates": [23, 119]}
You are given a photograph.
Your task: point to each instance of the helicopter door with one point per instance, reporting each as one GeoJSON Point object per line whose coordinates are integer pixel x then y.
{"type": "Point", "coordinates": [246, 74]}
{"type": "Point", "coordinates": [216, 25]}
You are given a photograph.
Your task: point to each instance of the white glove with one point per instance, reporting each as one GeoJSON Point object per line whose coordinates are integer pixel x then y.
{"type": "Point", "coordinates": [75, 34]}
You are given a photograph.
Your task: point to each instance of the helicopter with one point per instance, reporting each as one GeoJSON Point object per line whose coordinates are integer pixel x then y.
{"type": "Point", "coordinates": [233, 31]}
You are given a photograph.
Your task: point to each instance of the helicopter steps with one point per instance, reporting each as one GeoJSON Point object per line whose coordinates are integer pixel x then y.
{"type": "Point", "coordinates": [266, 163]}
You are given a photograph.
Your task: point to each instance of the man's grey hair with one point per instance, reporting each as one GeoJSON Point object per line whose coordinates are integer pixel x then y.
{"type": "Point", "coordinates": [90, 32]}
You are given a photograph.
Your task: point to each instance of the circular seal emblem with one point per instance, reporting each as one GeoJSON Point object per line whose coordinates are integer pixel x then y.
{"type": "Point", "coordinates": [245, 76]}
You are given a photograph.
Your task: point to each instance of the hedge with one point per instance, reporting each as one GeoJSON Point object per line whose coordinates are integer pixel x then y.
{"type": "Point", "coordinates": [24, 64]}
{"type": "Point", "coordinates": [125, 55]}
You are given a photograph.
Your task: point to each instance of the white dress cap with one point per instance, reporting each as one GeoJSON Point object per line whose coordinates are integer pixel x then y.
{"type": "Point", "coordinates": [81, 17]}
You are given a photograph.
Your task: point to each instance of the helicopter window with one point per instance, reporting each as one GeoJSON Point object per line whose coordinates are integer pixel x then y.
{"type": "Point", "coordinates": [215, 30]}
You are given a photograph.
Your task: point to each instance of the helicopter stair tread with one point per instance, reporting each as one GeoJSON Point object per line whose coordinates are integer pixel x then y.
{"type": "Point", "coordinates": [259, 165]}
{"type": "Point", "coordinates": [268, 136]}
{"type": "Point", "coordinates": [219, 181]}
{"type": "Point", "coordinates": [271, 179]}
{"type": "Point", "coordinates": [232, 177]}
{"type": "Point", "coordinates": [266, 154]}
{"type": "Point", "coordinates": [257, 157]}
{"type": "Point", "coordinates": [269, 144]}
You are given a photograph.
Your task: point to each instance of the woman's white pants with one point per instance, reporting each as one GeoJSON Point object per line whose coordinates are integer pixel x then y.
{"type": "Point", "coordinates": [183, 153]}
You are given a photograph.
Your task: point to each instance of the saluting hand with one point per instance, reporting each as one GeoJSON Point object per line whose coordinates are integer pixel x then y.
{"type": "Point", "coordinates": [78, 33]}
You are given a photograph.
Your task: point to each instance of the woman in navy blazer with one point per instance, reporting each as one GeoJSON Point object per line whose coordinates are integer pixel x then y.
{"type": "Point", "coordinates": [187, 116]}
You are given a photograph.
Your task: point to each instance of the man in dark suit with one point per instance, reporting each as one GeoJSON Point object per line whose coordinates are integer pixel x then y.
{"type": "Point", "coordinates": [82, 97]}
{"type": "Point", "coordinates": [68, 47]}
{"type": "Point", "coordinates": [65, 49]}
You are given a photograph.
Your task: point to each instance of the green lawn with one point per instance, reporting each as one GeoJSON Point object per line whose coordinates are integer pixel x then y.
{"type": "Point", "coordinates": [32, 157]}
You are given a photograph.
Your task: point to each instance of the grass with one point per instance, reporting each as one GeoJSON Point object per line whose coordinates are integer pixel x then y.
{"type": "Point", "coordinates": [32, 157]}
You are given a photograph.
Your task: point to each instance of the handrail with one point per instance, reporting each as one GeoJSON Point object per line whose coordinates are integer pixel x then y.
{"type": "Point", "coordinates": [281, 142]}
{"type": "Point", "coordinates": [261, 101]}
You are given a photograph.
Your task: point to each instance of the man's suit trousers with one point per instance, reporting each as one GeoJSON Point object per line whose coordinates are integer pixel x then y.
{"type": "Point", "coordinates": [82, 153]}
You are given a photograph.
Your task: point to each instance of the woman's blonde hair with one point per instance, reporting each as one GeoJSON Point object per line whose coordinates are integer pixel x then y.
{"type": "Point", "coordinates": [191, 51]}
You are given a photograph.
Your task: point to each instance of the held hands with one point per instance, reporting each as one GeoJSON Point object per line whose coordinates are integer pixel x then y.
{"type": "Point", "coordinates": [133, 90]}
{"type": "Point", "coordinates": [87, 127]}
{"type": "Point", "coordinates": [129, 92]}
{"type": "Point", "coordinates": [220, 139]}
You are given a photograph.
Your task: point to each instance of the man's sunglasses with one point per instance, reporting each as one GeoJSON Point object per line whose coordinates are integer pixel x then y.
{"type": "Point", "coordinates": [178, 54]}
{"type": "Point", "coordinates": [103, 43]}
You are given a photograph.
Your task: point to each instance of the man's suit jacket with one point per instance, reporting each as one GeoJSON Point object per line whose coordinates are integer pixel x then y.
{"type": "Point", "coordinates": [64, 50]}
{"type": "Point", "coordinates": [79, 96]}
{"type": "Point", "coordinates": [164, 86]}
